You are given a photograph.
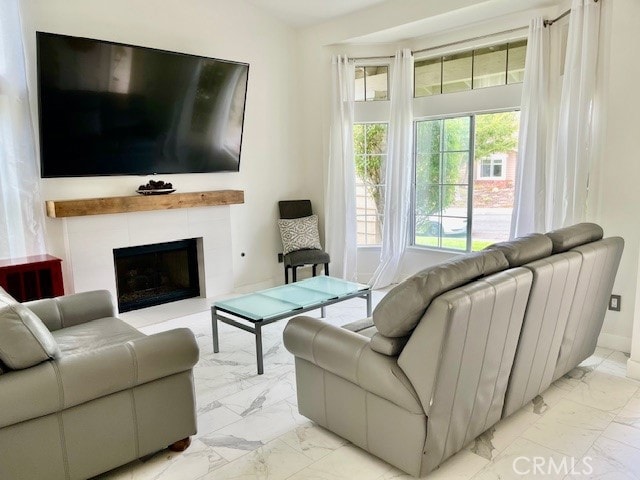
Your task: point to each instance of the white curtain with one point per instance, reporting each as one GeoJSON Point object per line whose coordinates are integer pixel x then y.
{"type": "Point", "coordinates": [574, 151]}
{"type": "Point", "coordinates": [530, 191]}
{"type": "Point", "coordinates": [556, 129]}
{"type": "Point", "coordinates": [397, 178]}
{"type": "Point", "coordinates": [21, 207]}
{"type": "Point", "coordinates": [340, 198]}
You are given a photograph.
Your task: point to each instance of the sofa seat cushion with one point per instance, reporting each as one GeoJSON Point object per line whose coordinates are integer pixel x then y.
{"type": "Point", "coordinates": [400, 310]}
{"type": "Point", "coordinates": [565, 239]}
{"type": "Point", "coordinates": [24, 339]}
{"type": "Point", "coordinates": [525, 249]}
{"type": "Point", "coordinates": [93, 335]}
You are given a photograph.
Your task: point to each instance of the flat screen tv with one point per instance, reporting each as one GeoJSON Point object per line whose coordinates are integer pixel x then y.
{"type": "Point", "coordinates": [108, 108]}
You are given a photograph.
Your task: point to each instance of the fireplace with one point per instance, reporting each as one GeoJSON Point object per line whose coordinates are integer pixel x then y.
{"type": "Point", "coordinates": [148, 275]}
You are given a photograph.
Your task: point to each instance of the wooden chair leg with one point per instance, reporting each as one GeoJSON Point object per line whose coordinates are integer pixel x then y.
{"type": "Point", "coordinates": [326, 269]}
{"type": "Point", "coordinates": [180, 445]}
{"type": "Point", "coordinates": [294, 276]}
{"type": "Point", "coordinates": [313, 269]}
{"type": "Point", "coordinates": [286, 275]}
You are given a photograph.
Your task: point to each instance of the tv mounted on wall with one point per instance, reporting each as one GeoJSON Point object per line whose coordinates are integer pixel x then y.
{"type": "Point", "coordinates": [108, 108]}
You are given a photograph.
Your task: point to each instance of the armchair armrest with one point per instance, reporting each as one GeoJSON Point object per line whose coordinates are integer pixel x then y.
{"type": "Point", "coordinates": [58, 384]}
{"type": "Point", "coordinates": [349, 356]}
{"type": "Point", "coordinates": [69, 310]}
{"type": "Point", "coordinates": [92, 374]}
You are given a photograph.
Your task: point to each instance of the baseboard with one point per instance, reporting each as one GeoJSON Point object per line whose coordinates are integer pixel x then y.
{"type": "Point", "coordinates": [614, 342]}
{"type": "Point", "coordinates": [633, 369]}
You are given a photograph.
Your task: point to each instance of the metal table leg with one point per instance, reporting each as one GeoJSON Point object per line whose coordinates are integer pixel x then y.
{"type": "Point", "coordinates": [258, 329]}
{"type": "Point", "coordinates": [368, 298]}
{"type": "Point", "coordinates": [214, 329]}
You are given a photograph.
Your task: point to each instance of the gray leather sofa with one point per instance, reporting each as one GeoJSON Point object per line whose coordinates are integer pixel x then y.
{"type": "Point", "coordinates": [458, 346]}
{"type": "Point", "coordinates": [82, 392]}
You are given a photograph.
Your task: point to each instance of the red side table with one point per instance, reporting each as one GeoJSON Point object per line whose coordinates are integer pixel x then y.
{"type": "Point", "coordinates": [32, 278]}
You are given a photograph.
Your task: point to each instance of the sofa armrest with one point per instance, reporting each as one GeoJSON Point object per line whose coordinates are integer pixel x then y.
{"type": "Point", "coordinates": [349, 356]}
{"type": "Point", "coordinates": [69, 310]}
{"type": "Point", "coordinates": [93, 374]}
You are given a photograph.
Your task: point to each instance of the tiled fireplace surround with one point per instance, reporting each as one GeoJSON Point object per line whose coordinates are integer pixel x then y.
{"type": "Point", "coordinates": [90, 241]}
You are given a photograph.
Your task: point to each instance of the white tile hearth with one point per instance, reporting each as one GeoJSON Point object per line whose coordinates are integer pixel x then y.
{"type": "Point", "coordinates": [249, 427]}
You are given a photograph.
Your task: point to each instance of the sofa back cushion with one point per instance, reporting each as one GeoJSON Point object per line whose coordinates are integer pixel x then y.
{"type": "Point", "coordinates": [565, 239]}
{"type": "Point", "coordinates": [528, 248]}
{"type": "Point", "coordinates": [24, 339]}
{"type": "Point", "coordinates": [400, 310]}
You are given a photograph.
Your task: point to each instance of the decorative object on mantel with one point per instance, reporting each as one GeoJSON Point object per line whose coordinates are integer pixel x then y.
{"type": "Point", "coordinates": [155, 187]}
{"type": "Point", "coordinates": [141, 203]}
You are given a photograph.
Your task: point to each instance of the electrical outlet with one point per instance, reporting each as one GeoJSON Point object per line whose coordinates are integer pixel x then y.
{"type": "Point", "coordinates": [280, 258]}
{"type": "Point", "coordinates": [614, 303]}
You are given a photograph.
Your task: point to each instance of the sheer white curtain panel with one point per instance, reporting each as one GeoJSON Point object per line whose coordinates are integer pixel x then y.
{"type": "Point", "coordinates": [557, 134]}
{"type": "Point", "coordinates": [21, 207]}
{"type": "Point", "coordinates": [397, 176]}
{"type": "Point", "coordinates": [340, 198]}
{"type": "Point", "coordinates": [574, 147]}
{"type": "Point", "coordinates": [530, 187]}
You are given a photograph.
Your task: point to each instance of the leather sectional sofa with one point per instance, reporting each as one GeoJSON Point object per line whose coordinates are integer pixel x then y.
{"type": "Point", "coordinates": [82, 392]}
{"type": "Point", "coordinates": [458, 346]}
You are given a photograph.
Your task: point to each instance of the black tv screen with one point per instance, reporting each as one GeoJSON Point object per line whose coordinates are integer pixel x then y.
{"type": "Point", "coordinates": [108, 108]}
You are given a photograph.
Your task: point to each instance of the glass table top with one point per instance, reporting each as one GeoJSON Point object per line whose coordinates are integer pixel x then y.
{"type": "Point", "coordinates": [288, 298]}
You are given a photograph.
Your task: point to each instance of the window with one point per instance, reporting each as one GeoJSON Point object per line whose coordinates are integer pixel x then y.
{"type": "Point", "coordinates": [372, 83]}
{"type": "Point", "coordinates": [464, 159]}
{"type": "Point", "coordinates": [492, 168]}
{"type": "Point", "coordinates": [370, 153]}
{"type": "Point", "coordinates": [483, 67]}
{"type": "Point", "coordinates": [447, 152]}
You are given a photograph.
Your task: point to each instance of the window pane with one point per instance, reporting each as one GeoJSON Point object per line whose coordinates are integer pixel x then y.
{"type": "Point", "coordinates": [515, 67]}
{"type": "Point", "coordinates": [428, 77]}
{"type": "Point", "coordinates": [358, 138]}
{"type": "Point", "coordinates": [456, 133]}
{"type": "Point", "coordinates": [370, 147]}
{"type": "Point", "coordinates": [427, 200]}
{"type": "Point", "coordinates": [428, 168]}
{"type": "Point", "coordinates": [489, 66]}
{"type": "Point", "coordinates": [456, 168]}
{"type": "Point", "coordinates": [456, 72]}
{"type": "Point", "coordinates": [428, 136]}
{"type": "Point", "coordinates": [376, 83]}
{"type": "Point", "coordinates": [454, 200]}
{"type": "Point", "coordinates": [496, 151]}
{"type": "Point", "coordinates": [359, 86]}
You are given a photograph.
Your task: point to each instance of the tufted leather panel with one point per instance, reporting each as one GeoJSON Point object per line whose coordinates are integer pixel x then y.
{"type": "Point", "coordinates": [600, 261]}
{"type": "Point", "coordinates": [459, 359]}
{"type": "Point", "coordinates": [554, 284]}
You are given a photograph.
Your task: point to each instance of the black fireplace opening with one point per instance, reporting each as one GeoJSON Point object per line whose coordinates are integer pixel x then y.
{"type": "Point", "coordinates": [149, 275]}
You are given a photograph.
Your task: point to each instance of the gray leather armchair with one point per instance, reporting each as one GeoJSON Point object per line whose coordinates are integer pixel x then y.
{"type": "Point", "coordinates": [455, 348]}
{"type": "Point", "coordinates": [83, 392]}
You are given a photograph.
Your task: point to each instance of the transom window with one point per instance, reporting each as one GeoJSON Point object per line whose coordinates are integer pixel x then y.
{"type": "Point", "coordinates": [482, 67]}
{"type": "Point", "coordinates": [372, 83]}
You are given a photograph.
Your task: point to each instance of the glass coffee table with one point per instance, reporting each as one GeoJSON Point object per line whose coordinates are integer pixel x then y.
{"type": "Point", "coordinates": [268, 306]}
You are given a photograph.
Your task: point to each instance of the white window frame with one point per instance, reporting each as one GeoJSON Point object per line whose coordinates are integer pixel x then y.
{"type": "Point", "coordinates": [493, 161]}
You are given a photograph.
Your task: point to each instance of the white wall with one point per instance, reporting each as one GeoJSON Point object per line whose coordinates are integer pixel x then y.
{"type": "Point", "coordinates": [615, 196]}
{"type": "Point", "coordinates": [270, 167]}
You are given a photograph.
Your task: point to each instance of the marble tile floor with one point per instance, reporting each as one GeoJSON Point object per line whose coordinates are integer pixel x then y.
{"type": "Point", "coordinates": [249, 427]}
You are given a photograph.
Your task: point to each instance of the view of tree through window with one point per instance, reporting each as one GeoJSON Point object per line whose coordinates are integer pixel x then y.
{"type": "Point", "coordinates": [370, 153]}
{"type": "Point", "coordinates": [446, 151]}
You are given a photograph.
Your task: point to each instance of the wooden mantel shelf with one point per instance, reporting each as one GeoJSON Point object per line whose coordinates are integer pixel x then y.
{"type": "Point", "coordinates": [141, 203]}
